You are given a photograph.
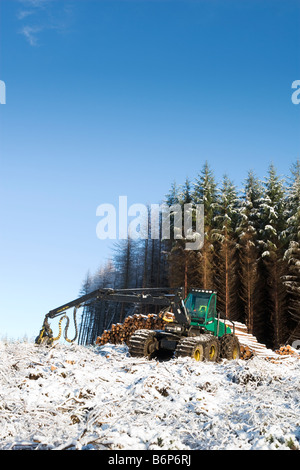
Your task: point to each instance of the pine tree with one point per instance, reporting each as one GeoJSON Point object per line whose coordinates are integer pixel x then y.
{"type": "Point", "coordinates": [272, 266]}
{"type": "Point", "coordinates": [226, 219]}
{"type": "Point", "coordinates": [292, 254]}
{"type": "Point", "coordinates": [205, 192]}
{"type": "Point", "coordinates": [185, 195]}
{"type": "Point", "coordinates": [293, 204]}
{"type": "Point", "coordinates": [150, 256]}
{"type": "Point", "coordinates": [85, 317]}
{"type": "Point", "coordinates": [177, 257]}
{"type": "Point", "coordinates": [172, 199]}
{"type": "Point", "coordinates": [292, 284]}
{"type": "Point", "coordinates": [125, 263]}
{"type": "Point", "coordinates": [189, 257]}
{"type": "Point", "coordinates": [173, 195]}
{"type": "Point", "coordinates": [247, 231]}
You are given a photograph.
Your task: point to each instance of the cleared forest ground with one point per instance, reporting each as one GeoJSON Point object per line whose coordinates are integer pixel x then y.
{"type": "Point", "coordinates": [76, 397]}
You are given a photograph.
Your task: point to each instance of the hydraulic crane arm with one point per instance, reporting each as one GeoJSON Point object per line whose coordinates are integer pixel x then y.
{"type": "Point", "coordinates": [168, 297]}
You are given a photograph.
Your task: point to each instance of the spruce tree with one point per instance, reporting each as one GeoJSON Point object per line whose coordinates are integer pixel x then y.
{"type": "Point", "coordinates": [205, 192]}
{"type": "Point", "coordinates": [272, 246]}
{"type": "Point", "coordinates": [227, 211]}
{"type": "Point", "coordinates": [86, 313]}
{"type": "Point", "coordinates": [179, 257]}
{"type": "Point", "coordinates": [173, 195]}
{"type": "Point", "coordinates": [185, 194]}
{"type": "Point", "coordinates": [247, 232]}
{"type": "Point", "coordinates": [292, 254]}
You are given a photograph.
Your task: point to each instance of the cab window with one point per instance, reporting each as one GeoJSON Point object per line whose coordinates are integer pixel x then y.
{"type": "Point", "coordinates": [212, 307]}
{"type": "Point", "coordinates": [197, 305]}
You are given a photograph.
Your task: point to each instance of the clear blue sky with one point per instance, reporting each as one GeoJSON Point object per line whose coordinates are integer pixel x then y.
{"type": "Point", "coordinates": [109, 98]}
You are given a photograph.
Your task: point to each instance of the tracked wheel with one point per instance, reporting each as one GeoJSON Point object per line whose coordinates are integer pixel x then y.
{"type": "Point", "coordinates": [143, 343]}
{"type": "Point", "coordinates": [190, 347]}
{"type": "Point", "coordinates": [211, 348]}
{"type": "Point", "coordinates": [200, 348]}
{"type": "Point", "coordinates": [230, 347]}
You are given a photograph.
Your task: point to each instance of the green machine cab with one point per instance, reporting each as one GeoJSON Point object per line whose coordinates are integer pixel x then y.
{"type": "Point", "coordinates": [201, 305]}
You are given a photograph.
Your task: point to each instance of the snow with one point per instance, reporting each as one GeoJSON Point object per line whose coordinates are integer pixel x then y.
{"type": "Point", "coordinates": [76, 397]}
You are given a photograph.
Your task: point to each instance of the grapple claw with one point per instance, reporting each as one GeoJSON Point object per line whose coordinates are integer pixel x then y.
{"type": "Point", "coordinates": [45, 336]}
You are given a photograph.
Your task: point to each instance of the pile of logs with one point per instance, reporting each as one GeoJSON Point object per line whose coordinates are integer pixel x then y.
{"type": "Point", "coordinates": [286, 351]}
{"type": "Point", "coordinates": [121, 332]}
{"type": "Point", "coordinates": [246, 352]}
{"type": "Point", "coordinates": [251, 347]}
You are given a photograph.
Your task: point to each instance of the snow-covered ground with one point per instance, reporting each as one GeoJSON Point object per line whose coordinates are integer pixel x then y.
{"type": "Point", "coordinates": [75, 397]}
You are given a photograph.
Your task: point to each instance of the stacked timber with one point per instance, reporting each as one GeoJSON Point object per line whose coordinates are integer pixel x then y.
{"type": "Point", "coordinates": [246, 352]}
{"type": "Point", "coordinates": [287, 351]}
{"type": "Point", "coordinates": [251, 347]}
{"type": "Point", "coordinates": [121, 332]}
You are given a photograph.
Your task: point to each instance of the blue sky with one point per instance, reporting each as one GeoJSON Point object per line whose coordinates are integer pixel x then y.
{"type": "Point", "coordinates": [109, 98]}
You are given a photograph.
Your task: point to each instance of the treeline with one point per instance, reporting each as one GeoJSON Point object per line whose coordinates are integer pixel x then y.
{"type": "Point", "coordinates": [133, 264]}
{"type": "Point", "coordinates": [250, 256]}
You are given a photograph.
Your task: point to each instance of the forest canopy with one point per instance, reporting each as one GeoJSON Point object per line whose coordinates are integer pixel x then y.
{"type": "Point", "coordinates": [250, 256]}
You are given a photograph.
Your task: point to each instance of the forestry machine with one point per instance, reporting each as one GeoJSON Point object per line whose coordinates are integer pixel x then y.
{"type": "Point", "coordinates": [193, 327]}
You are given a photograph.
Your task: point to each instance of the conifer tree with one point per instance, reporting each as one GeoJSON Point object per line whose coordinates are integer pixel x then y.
{"type": "Point", "coordinates": [173, 195]}
{"type": "Point", "coordinates": [85, 317]}
{"type": "Point", "coordinates": [272, 245]}
{"type": "Point", "coordinates": [292, 254]}
{"type": "Point", "coordinates": [185, 195]}
{"type": "Point", "coordinates": [205, 192]}
{"type": "Point", "coordinates": [179, 257]}
{"type": "Point", "coordinates": [172, 199]}
{"type": "Point", "coordinates": [247, 232]}
{"type": "Point", "coordinates": [224, 234]}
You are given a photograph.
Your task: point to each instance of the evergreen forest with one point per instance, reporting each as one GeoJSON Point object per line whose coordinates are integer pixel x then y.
{"type": "Point", "coordinates": [250, 256]}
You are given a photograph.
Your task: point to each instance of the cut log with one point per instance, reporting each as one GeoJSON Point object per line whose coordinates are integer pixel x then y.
{"type": "Point", "coordinates": [120, 333]}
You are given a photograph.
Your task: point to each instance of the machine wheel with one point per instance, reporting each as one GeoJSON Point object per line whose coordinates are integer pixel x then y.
{"type": "Point", "coordinates": [211, 348]}
{"type": "Point", "coordinates": [143, 343]}
{"type": "Point", "coordinates": [200, 348]}
{"type": "Point", "coordinates": [190, 347]}
{"type": "Point", "coordinates": [230, 347]}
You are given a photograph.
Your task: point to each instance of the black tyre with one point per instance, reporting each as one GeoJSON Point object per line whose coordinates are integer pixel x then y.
{"type": "Point", "coordinates": [143, 343]}
{"type": "Point", "coordinates": [190, 347]}
{"type": "Point", "coordinates": [230, 347]}
{"type": "Point", "coordinates": [211, 349]}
